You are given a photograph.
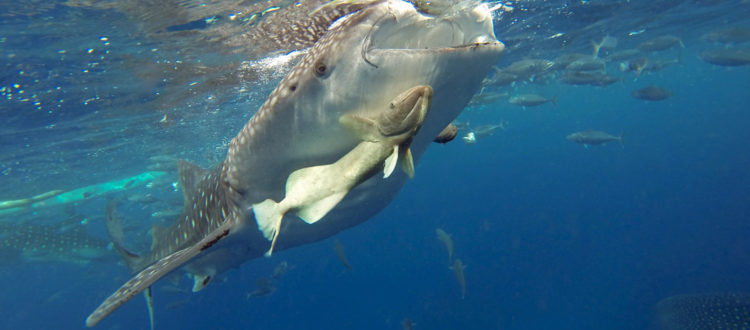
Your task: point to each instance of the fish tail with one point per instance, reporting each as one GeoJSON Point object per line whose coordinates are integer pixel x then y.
{"type": "Point", "coordinates": [596, 47]}
{"type": "Point", "coordinates": [268, 215]}
{"type": "Point", "coordinates": [619, 139]}
{"type": "Point", "coordinates": [553, 100]}
{"type": "Point", "coordinates": [639, 69]}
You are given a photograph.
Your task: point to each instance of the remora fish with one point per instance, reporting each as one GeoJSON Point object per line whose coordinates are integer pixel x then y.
{"type": "Point", "coordinates": [45, 243]}
{"type": "Point", "coordinates": [590, 137]}
{"type": "Point", "coordinates": [447, 134]}
{"type": "Point", "coordinates": [358, 67]}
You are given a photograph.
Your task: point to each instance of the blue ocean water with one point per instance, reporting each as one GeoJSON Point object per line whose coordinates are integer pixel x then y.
{"type": "Point", "coordinates": [554, 235]}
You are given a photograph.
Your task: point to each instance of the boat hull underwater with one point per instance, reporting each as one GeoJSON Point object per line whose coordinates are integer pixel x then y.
{"type": "Point", "coordinates": [355, 95]}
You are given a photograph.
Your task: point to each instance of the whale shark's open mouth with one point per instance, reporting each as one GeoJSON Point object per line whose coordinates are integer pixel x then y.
{"type": "Point", "coordinates": [465, 24]}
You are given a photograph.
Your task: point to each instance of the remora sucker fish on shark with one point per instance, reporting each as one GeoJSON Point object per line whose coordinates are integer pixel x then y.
{"type": "Point", "coordinates": [357, 102]}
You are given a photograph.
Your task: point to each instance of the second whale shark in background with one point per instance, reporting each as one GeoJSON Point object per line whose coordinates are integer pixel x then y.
{"type": "Point", "coordinates": [357, 102]}
{"type": "Point", "coordinates": [63, 242]}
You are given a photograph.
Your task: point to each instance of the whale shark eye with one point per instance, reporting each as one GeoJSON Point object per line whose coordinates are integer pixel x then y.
{"type": "Point", "coordinates": [320, 69]}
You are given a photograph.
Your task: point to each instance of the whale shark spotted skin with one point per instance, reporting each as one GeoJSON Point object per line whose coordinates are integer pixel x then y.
{"type": "Point", "coordinates": [358, 68]}
{"type": "Point", "coordinates": [71, 243]}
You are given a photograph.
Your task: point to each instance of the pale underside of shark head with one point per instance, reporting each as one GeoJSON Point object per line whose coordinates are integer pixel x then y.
{"type": "Point", "coordinates": [358, 67]}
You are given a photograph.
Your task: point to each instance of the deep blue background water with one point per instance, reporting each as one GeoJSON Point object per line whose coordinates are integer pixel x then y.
{"type": "Point", "coordinates": [554, 235]}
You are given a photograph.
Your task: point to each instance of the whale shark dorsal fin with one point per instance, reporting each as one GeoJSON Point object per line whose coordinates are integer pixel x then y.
{"type": "Point", "coordinates": [406, 162]}
{"type": "Point", "coordinates": [190, 175]}
{"type": "Point", "coordinates": [115, 232]}
{"type": "Point", "coordinates": [145, 278]}
{"type": "Point", "coordinates": [157, 234]}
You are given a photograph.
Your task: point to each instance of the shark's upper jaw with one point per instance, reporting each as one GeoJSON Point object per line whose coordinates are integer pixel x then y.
{"type": "Point", "coordinates": [407, 28]}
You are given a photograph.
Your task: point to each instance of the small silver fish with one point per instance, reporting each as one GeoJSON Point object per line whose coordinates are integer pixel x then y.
{"type": "Point", "coordinates": [532, 100]}
{"type": "Point", "coordinates": [590, 137]}
{"type": "Point", "coordinates": [651, 93]}
{"type": "Point", "coordinates": [726, 56]}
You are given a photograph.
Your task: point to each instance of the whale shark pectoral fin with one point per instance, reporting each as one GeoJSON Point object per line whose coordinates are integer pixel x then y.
{"type": "Point", "coordinates": [157, 234]}
{"type": "Point", "coordinates": [145, 278]}
{"type": "Point", "coordinates": [406, 162]}
{"type": "Point", "coordinates": [390, 162]}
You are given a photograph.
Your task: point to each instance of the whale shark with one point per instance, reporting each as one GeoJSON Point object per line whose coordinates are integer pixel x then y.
{"type": "Point", "coordinates": [68, 243]}
{"type": "Point", "coordinates": [371, 94]}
